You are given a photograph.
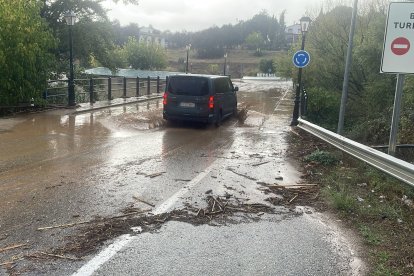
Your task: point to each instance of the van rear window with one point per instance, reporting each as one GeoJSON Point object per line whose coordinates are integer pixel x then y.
{"type": "Point", "coordinates": [191, 86]}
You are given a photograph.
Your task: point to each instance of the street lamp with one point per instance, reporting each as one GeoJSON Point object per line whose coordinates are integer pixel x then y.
{"type": "Point", "coordinates": [304, 26]}
{"type": "Point", "coordinates": [70, 18]}
{"type": "Point", "coordinates": [188, 47]}
{"type": "Point", "coordinates": [225, 64]}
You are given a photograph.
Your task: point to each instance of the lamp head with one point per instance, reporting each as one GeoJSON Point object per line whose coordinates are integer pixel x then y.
{"type": "Point", "coordinates": [70, 18]}
{"type": "Point", "coordinates": [304, 24]}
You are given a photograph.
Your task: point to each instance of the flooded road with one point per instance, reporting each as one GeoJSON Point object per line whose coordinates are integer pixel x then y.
{"type": "Point", "coordinates": [58, 168]}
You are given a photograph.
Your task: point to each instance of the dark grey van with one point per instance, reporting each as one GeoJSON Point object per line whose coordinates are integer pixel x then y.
{"type": "Point", "coordinates": [199, 98]}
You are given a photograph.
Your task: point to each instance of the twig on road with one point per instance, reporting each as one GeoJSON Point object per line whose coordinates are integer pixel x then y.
{"type": "Point", "coordinates": [89, 221]}
{"type": "Point", "coordinates": [290, 201]}
{"type": "Point", "coordinates": [143, 201]}
{"type": "Point", "coordinates": [243, 175]}
{"type": "Point", "coordinates": [60, 256]}
{"type": "Point", "coordinates": [11, 247]}
{"type": "Point", "coordinates": [154, 175]}
{"type": "Point", "coordinates": [259, 164]}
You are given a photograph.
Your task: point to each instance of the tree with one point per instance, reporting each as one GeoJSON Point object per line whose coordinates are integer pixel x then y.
{"type": "Point", "coordinates": [370, 95]}
{"type": "Point", "coordinates": [267, 66]}
{"type": "Point", "coordinates": [26, 46]}
{"type": "Point", "coordinates": [255, 41]}
{"type": "Point", "coordinates": [144, 56]}
{"type": "Point", "coordinates": [93, 33]}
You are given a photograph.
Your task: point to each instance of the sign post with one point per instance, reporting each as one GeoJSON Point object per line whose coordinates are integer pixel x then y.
{"type": "Point", "coordinates": [398, 56]}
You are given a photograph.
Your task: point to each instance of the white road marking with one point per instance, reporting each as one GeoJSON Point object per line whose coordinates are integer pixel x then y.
{"type": "Point", "coordinates": [105, 255]}
{"type": "Point", "coordinates": [281, 99]}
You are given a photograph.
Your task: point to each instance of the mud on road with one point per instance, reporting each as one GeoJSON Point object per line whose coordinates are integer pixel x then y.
{"type": "Point", "coordinates": [70, 184]}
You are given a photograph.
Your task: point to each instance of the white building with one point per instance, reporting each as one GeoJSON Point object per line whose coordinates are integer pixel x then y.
{"type": "Point", "coordinates": [151, 36]}
{"type": "Point", "coordinates": [293, 34]}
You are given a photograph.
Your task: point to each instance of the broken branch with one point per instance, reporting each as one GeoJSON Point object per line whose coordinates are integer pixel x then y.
{"type": "Point", "coordinates": [143, 201]}
{"type": "Point", "coordinates": [86, 222]}
{"type": "Point", "coordinates": [12, 247]}
{"type": "Point", "coordinates": [60, 256]}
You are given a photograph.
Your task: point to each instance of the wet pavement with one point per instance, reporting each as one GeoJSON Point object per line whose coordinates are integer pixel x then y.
{"type": "Point", "coordinates": [62, 167]}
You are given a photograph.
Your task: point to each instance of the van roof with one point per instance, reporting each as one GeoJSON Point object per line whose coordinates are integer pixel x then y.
{"type": "Point", "coordinates": [199, 75]}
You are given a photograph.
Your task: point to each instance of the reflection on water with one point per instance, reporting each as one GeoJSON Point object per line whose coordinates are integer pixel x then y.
{"type": "Point", "coordinates": [44, 137]}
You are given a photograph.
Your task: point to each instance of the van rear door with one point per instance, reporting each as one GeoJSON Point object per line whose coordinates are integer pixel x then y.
{"type": "Point", "coordinates": [188, 96]}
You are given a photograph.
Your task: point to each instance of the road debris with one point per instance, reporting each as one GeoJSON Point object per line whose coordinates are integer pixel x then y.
{"type": "Point", "coordinates": [11, 247]}
{"type": "Point", "coordinates": [260, 164]}
{"type": "Point", "coordinates": [219, 210]}
{"type": "Point", "coordinates": [240, 174]}
{"type": "Point", "coordinates": [182, 180]}
{"type": "Point", "coordinates": [91, 221]}
{"type": "Point", "coordinates": [143, 201]}
{"type": "Point", "coordinates": [60, 256]}
{"type": "Point", "coordinates": [154, 175]}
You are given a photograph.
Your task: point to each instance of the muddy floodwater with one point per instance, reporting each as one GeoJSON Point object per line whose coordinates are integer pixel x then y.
{"type": "Point", "coordinates": [60, 168]}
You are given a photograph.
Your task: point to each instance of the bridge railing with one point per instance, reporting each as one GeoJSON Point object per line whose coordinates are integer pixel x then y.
{"type": "Point", "coordinates": [98, 89]}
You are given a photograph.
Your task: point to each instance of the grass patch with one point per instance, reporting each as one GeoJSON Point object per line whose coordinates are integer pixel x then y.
{"type": "Point", "coordinates": [322, 157]}
{"type": "Point", "coordinates": [370, 236]}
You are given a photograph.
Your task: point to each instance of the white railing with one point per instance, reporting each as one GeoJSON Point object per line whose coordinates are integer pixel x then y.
{"type": "Point", "coordinates": [395, 167]}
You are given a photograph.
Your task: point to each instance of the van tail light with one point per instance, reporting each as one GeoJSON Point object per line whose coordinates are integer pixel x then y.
{"type": "Point", "coordinates": [164, 98]}
{"type": "Point", "coordinates": [211, 102]}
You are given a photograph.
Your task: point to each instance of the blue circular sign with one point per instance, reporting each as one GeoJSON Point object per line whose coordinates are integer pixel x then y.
{"type": "Point", "coordinates": [301, 59]}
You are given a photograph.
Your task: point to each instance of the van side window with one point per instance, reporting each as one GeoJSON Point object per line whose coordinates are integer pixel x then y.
{"type": "Point", "coordinates": [222, 85]}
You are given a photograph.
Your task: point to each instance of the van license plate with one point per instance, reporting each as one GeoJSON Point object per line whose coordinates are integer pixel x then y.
{"type": "Point", "coordinates": [192, 105]}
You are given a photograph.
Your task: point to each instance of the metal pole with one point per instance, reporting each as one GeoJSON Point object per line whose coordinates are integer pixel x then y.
{"type": "Point", "coordinates": [109, 88]}
{"type": "Point", "coordinates": [225, 65]}
{"type": "Point", "coordinates": [396, 115]}
{"type": "Point", "coordinates": [91, 96]}
{"type": "Point", "coordinates": [71, 84]}
{"type": "Point", "coordinates": [347, 70]}
{"type": "Point", "coordinates": [148, 85]}
{"type": "Point", "coordinates": [137, 87]}
{"type": "Point", "coordinates": [158, 84]}
{"type": "Point", "coordinates": [125, 88]}
{"type": "Point", "coordinates": [186, 64]}
{"type": "Point", "coordinates": [296, 108]}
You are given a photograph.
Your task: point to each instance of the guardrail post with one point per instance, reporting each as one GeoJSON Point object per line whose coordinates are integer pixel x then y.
{"type": "Point", "coordinates": [109, 89]}
{"type": "Point", "coordinates": [125, 88]}
{"type": "Point", "coordinates": [158, 84]}
{"type": "Point", "coordinates": [91, 98]}
{"type": "Point", "coordinates": [148, 85]}
{"type": "Point", "coordinates": [137, 88]}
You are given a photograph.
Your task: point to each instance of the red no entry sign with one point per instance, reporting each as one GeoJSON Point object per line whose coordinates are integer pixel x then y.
{"type": "Point", "coordinates": [400, 46]}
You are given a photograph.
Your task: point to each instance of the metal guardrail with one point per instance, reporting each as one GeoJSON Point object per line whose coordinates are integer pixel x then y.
{"type": "Point", "coordinates": [395, 167]}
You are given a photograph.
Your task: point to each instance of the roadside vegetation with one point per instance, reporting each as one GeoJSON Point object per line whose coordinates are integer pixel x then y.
{"type": "Point", "coordinates": [371, 94]}
{"type": "Point", "coordinates": [377, 207]}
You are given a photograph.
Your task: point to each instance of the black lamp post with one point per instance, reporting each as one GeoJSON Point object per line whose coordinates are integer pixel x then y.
{"type": "Point", "coordinates": [188, 47]}
{"type": "Point", "coordinates": [304, 25]}
{"type": "Point", "coordinates": [70, 18]}
{"type": "Point", "coordinates": [225, 64]}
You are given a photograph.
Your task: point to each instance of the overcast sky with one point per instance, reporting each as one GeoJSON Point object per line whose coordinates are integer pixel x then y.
{"type": "Point", "coordinates": [194, 15]}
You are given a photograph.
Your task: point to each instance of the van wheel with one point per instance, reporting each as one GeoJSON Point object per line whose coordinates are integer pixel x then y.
{"type": "Point", "coordinates": [218, 119]}
{"type": "Point", "coordinates": [235, 111]}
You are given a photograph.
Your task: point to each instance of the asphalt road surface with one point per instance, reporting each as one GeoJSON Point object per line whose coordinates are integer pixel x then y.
{"type": "Point", "coordinates": [65, 169]}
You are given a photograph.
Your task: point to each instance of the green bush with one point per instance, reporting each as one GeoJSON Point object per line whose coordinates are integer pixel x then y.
{"type": "Point", "coordinates": [322, 157]}
{"type": "Point", "coordinates": [323, 107]}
